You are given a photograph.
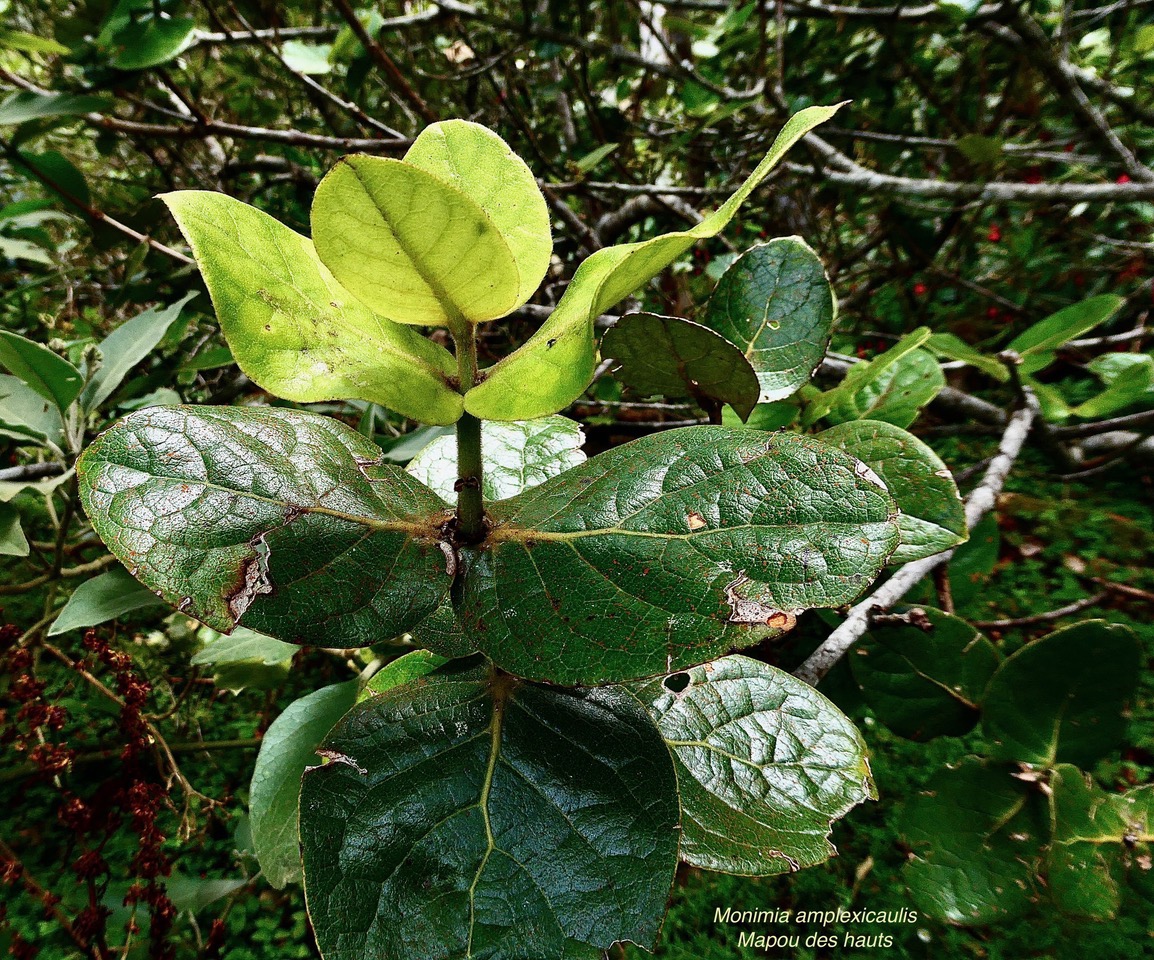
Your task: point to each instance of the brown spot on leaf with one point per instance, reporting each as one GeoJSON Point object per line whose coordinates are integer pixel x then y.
{"type": "Point", "coordinates": [254, 581]}
{"type": "Point", "coordinates": [696, 520]}
{"type": "Point", "coordinates": [745, 610]}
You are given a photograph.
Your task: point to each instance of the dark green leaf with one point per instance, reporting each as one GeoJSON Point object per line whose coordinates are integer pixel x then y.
{"type": "Point", "coordinates": [670, 551]}
{"type": "Point", "coordinates": [516, 456]}
{"type": "Point", "coordinates": [671, 357]}
{"type": "Point", "coordinates": [776, 304]}
{"type": "Point", "coordinates": [286, 751]}
{"type": "Point", "coordinates": [125, 347]}
{"type": "Point", "coordinates": [933, 517]}
{"type": "Point", "coordinates": [1080, 681]}
{"type": "Point", "coordinates": [267, 518]}
{"type": "Point", "coordinates": [925, 684]}
{"type": "Point", "coordinates": [49, 374]}
{"type": "Point", "coordinates": [764, 763]}
{"type": "Point", "coordinates": [475, 815]}
{"type": "Point", "coordinates": [151, 41]}
{"type": "Point", "coordinates": [103, 598]}
{"type": "Point", "coordinates": [975, 833]}
{"type": "Point", "coordinates": [59, 175]}
{"type": "Point", "coordinates": [405, 669]}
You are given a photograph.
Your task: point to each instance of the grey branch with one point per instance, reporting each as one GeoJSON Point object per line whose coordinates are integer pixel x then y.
{"type": "Point", "coordinates": [31, 471]}
{"type": "Point", "coordinates": [980, 501]}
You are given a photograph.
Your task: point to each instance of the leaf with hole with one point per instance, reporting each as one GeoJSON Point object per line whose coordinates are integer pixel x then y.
{"type": "Point", "coordinates": [555, 365]}
{"type": "Point", "coordinates": [933, 517]}
{"type": "Point", "coordinates": [670, 551]}
{"type": "Point", "coordinates": [1074, 714]}
{"type": "Point", "coordinates": [267, 518]}
{"type": "Point", "coordinates": [764, 764]}
{"type": "Point", "coordinates": [478, 815]}
{"type": "Point", "coordinates": [515, 457]}
{"type": "Point", "coordinates": [671, 357]}
{"type": "Point", "coordinates": [925, 684]}
{"type": "Point", "coordinates": [291, 325]}
{"type": "Point", "coordinates": [776, 305]}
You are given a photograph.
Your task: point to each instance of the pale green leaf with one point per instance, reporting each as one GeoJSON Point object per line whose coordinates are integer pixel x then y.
{"type": "Point", "coordinates": [48, 373]}
{"type": "Point", "coordinates": [410, 246]}
{"type": "Point", "coordinates": [292, 327]}
{"type": "Point", "coordinates": [103, 598]}
{"type": "Point", "coordinates": [555, 365]}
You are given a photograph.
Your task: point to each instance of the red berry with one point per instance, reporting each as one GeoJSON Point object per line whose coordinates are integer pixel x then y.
{"type": "Point", "coordinates": [995, 234]}
{"type": "Point", "coordinates": [920, 289]}
{"type": "Point", "coordinates": [1033, 175]}
{"type": "Point", "coordinates": [992, 313]}
{"type": "Point", "coordinates": [1123, 179]}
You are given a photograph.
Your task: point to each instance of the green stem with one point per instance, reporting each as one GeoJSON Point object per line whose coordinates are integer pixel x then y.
{"type": "Point", "coordinates": [470, 507]}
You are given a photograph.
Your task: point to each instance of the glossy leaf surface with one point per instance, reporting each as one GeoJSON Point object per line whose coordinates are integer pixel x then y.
{"type": "Point", "coordinates": [468, 814]}
{"type": "Point", "coordinates": [1081, 680]}
{"type": "Point", "coordinates": [269, 518]}
{"type": "Point", "coordinates": [288, 748]}
{"type": "Point", "coordinates": [670, 551]}
{"type": "Point", "coordinates": [1037, 344]}
{"type": "Point", "coordinates": [482, 166]}
{"type": "Point", "coordinates": [764, 764]}
{"type": "Point", "coordinates": [925, 684]}
{"type": "Point", "coordinates": [933, 517]}
{"type": "Point", "coordinates": [776, 305]}
{"type": "Point", "coordinates": [671, 357]}
{"type": "Point", "coordinates": [975, 834]}
{"type": "Point", "coordinates": [556, 364]}
{"type": "Point", "coordinates": [515, 457]}
{"type": "Point", "coordinates": [292, 327]}
{"type": "Point", "coordinates": [410, 246]}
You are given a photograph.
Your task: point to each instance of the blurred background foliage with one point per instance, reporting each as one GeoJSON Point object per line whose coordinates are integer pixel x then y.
{"type": "Point", "coordinates": [989, 172]}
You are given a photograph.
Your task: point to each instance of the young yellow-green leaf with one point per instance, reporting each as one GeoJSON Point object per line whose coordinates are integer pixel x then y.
{"type": "Point", "coordinates": [670, 551]}
{"type": "Point", "coordinates": [1080, 679]}
{"type": "Point", "coordinates": [269, 519]}
{"type": "Point", "coordinates": [482, 166]}
{"type": "Point", "coordinates": [1036, 345]}
{"type": "Point", "coordinates": [287, 750]}
{"type": "Point", "coordinates": [764, 763]}
{"type": "Point", "coordinates": [405, 669]}
{"type": "Point", "coordinates": [468, 814]}
{"type": "Point", "coordinates": [671, 357]}
{"type": "Point", "coordinates": [933, 517]}
{"type": "Point", "coordinates": [775, 303]}
{"type": "Point", "coordinates": [515, 457]}
{"type": "Point", "coordinates": [925, 684]}
{"type": "Point", "coordinates": [975, 833]}
{"type": "Point", "coordinates": [241, 646]}
{"type": "Point", "coordinates": [555, 365]}
{"type": "Point", "coordinates": [410, 246]}
{"type": "Point", "coordinates": [292, 327]}
{"type": "Point", "coordinates": [1135, 384]}
{"type": "Point", "coordinates": [48, 373]}
{"type": "Point", "coordinates": [896, 392]}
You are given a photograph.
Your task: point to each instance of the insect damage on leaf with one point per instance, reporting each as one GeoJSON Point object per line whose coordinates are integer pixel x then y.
{"type": "Point", "coordinates": [753, 612]}
{"type": "Point", "coordinates": [254, 581]}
